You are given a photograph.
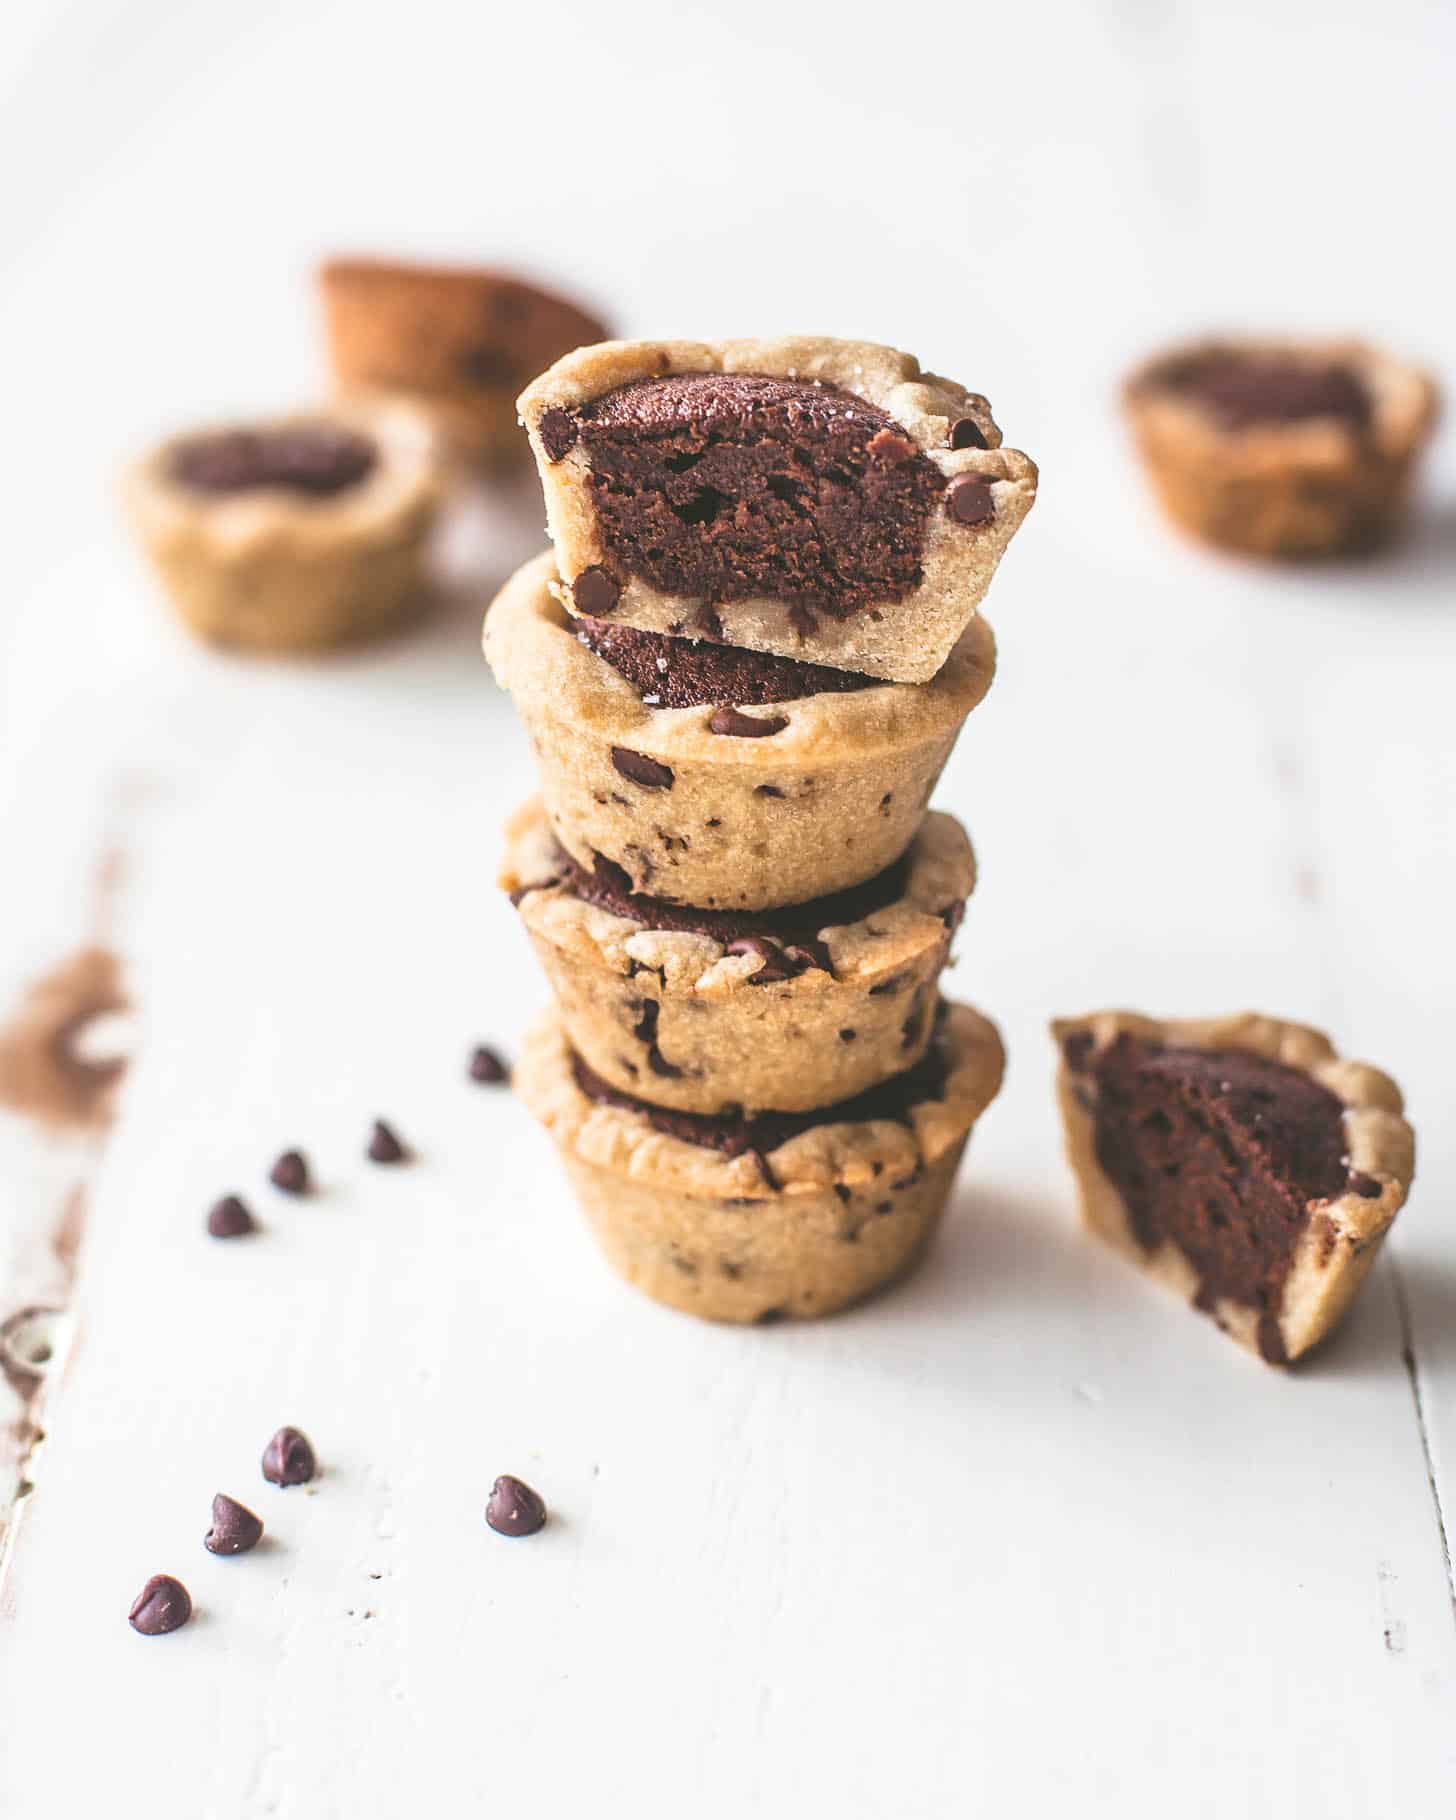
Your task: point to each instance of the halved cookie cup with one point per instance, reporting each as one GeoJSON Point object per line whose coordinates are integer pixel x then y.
{"type": "Point", "coordinates": [724, 822]}
{"type": "Point", "coordinates": [757, 539]}
{"type": "Point", "coordinates": [803, 1227]}
{"type": "Point", "coordinates": [458, 341]}
{"type": "Point", "coordinates": [1239, 1161]}
{"type": "Point", "coordinates": [291, 564]}
{"type": "Point", "coordinates": [786, 1012]}
{"type": "Point", "coordinates": [1281, 447]}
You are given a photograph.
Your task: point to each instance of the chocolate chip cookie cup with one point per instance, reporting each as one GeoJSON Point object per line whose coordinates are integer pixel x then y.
{"type": "Point", "coordinates": [785, 1216]}
{"type": "Point", "coordinates": [1282, 448]}
{"type": "Point", "coordinates": [827, 500]}
{"type": "Point", "coordinates": [1239, 1161]}
{"type": "Point", "coordinates": [459, 342]}
{"type": "Point", "coordinates": [742, 1012]}
{"type": "Point", "coordinates": [756, 792]}
{"type": "Point", "coordinates": [293, 534]}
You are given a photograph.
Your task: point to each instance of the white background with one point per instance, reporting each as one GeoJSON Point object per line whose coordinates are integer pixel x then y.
{"type": "Point", "coordinates": [1023, 1538]}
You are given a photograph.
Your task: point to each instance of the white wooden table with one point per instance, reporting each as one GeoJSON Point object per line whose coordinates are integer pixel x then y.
{"type": "Point", "coordinates": [1023, 1538]}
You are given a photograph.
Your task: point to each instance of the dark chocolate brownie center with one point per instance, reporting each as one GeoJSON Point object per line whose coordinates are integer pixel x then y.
{"type": "Point", "coordinates": [1223, 1152]}
{"type": "Point", "coordinates": [726, 485]}
{"type": "Point", "coordinates": [695, 672]}
{"type": "Point", "coordinates": [316, 459]}
{"type": "Point", "coordinates": [1243, 389]}
{"type": "Point", "coordinates": [735, 1135]}
{"type": "Point", "coordinates": [787, 938]}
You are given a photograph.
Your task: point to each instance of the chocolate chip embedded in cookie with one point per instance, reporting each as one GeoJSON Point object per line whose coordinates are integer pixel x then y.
{"type": "Point", "coordinates": [693, 809]}
{"type": "Point", "coordinates": [751, 1219]}
{"type": "Point", "coordinates": [458, 342]}
{"type": "Point", "coordinates": [821, 500]}
{"type": "Point", "coordinates": [294, 534]}
{"type": "Point", "coordinates": [1282, 447]}
{"type": "Point", "coordinates": [703, 1010]}
{"type": "Point", "coordinates": [1239, 1160]}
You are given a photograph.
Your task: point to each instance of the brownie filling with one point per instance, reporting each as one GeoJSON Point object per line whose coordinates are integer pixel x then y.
{"type": "Point", "coordinates": [735, 1135]}
{"type": "Point", "coordinates": [726, 486]}
{"type": "Point", "coordinates": [787, 939]}
{"type": "Point", "coordinates": [1223, 1153]}
{"type": "Point", "coordinates": [695, 672]}
{"type": "Point", "coordinates": [1238, 390]}
{"type": "Point", "coordinates": [314, 459]}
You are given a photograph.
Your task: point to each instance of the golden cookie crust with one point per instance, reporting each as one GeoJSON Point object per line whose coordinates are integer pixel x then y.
{"type": "Point", "coordinates": [268, 569]}
{"type": "Point", "coordinates": [705, 1233]}
{"type": "Point", "coordinates": [1343, 1235]}
{"type": "Point", "coordinates": [460, 341]}
{"type": "Point", "coordinates": [1316, 487]}
{"type": "Point", "coordinates": [784, 1046]}
{"type": "Point", "coordinates": [906, 640]}
{"type": "Point", "coordinates": [745, 824]}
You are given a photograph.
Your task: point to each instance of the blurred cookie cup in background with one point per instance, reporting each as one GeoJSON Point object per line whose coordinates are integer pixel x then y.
{"type": "Point", "coordinates": [291, 533]}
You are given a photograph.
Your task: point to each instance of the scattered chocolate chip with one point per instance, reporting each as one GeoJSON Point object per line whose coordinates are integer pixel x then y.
{"type": "Point", "coordinates": [767, 790]}
{"type": "Point", "coordinates": [230, 1219]}
{"type": "Point", "coordinates": [234, 1528]}
{"type": "Point", "coordinates": [884, 1207]}
{"type": "Point", "coordinates": [1077, 1050]}
{"type": "Point", "coordinates": [953, 916]}
{"type": "Point", "coordinates": [770, 1317]}
{"type": "Point", "coordinates": [968, 500]}
{"type": "Point", "coordinates": [486, 1066]}
{"type": "Point", "coordinates": [890, 447]}
{"type": "Point", "coordinates": [1365, 1186]}
{"type": "Point", "coordinates": [641, 769]}
{"type": "Point", "coordinates": [558, 431]}
{"type": "Point", "coordinates": [848, 1036]}
{"type": "Point", "coordinates": [290, 1173]}
{"type": "Point", "coordinates": [484, 365]}
{"type": "Point", "coordinates": [595, 592]}
{"type": "Point", "coordinates": [163, 1604]}
{"type": "Point", "coordinates": [384, 1146]}
{"type": "Point", "coordinates": [965, 433]}
{"type": "Point", "coordinates": [289, 1459]}
{"type": "Point", "coordinates": [743, 726]}
{"type": "Point", "coordinates": [514, 1509]}
{"type": "Point", "coordinates": [709, 624]}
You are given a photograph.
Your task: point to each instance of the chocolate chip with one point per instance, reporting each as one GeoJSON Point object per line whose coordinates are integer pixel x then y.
{"type": "Point", "coordinates": [487, 1068]}
{"type": "Point", "coordinates": [234, 1528]}
{"type": "Point", "coordinates": [767, 790]}
{"type": "Point", "coordinates": [484, 365]}
{"type": "Point", "coordinates": [558, 432]}
{"type": "Point", "coordinates": [641, 769]}
{"type": "Point", "coordinates": [1365, 1186]}
{"type": "Point", "coordinates": [514, 1509]}
{"type": "Point", "coordinates": [289, 1459]}
{"type": "Point", "coordinates": [965, 433]}
{"type": "Point", "coordinates": [968, 500]}
{"type": "Point", "coordinates": [709, 624]}
{"type": "Point", "coordinates": [230, 1219]}
{"type": "Point", "coordinates": [290, 1173]}
{"type": "Point", "coordinates": [776, 965]}
{"type": "Point", "coordinates": [743, 726]}
{"type": "Point", "coordinates": [595, 592]}
{"type": "Point", "coordinates": [848, 1036]}
{"type": "Point", "coordinates": [953, 916]}
{"type": "Point", "coordinates": [384, 1146]}
{"type": "Point", "coordinates": [770, 1317]}
{"type": "Point", "coordinates": [163, 1604]}
{"type": "Point", "coordinates": [1077, 1050]}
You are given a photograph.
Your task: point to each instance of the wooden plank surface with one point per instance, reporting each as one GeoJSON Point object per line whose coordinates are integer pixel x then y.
{"type": "Point", "coordinates": [1023, 1535]}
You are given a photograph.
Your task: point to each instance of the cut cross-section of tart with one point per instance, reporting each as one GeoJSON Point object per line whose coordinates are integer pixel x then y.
{"type": "Point", "coordinates": [715, 1011]}
{"type": "Point", "coordinates": [783, 1215]}
{"type": "Point", "coordinates": [714, 776]}
{"type": "Point", "coordinates": [825, 500]}
{"type": "Point", "coordinates": [1239, 1160]}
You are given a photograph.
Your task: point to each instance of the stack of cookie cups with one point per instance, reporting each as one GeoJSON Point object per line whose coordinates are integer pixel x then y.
{"type": "Point", "coordinates": [742, 667]}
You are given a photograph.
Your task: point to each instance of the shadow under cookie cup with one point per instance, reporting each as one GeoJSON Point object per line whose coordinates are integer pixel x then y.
{"type": "Point", "coordinates": [808, 1012]}
{"type": "Point", "coordinates": [831, 798]}
{"type": "Point", "coordinates": [816, 1223]}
